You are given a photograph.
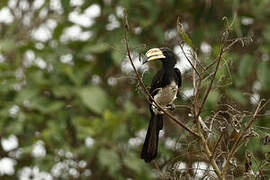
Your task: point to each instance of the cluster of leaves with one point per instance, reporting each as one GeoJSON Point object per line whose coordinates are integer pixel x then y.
{"type": "Point", "coordinates": [78, 97]}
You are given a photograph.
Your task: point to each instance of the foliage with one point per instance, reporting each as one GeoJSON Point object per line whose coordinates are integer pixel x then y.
{"type": "Point", "coordinates": [75, 95]}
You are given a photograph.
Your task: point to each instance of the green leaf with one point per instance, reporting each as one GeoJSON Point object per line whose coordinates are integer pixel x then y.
{"type": "Point", "coordinates": [38, 103]}
{"type": "Point", "coordinates": [237, 96]}
{"type": "Point", "coordinates": [3, 3]}
{"type": "Point", "coordinates": [94, 98]}
{"type": "Point", "coordinates": [53, 107]}
{"type": "Point", "coordinates": [7, 45]}
{"type": "Point", "coordinates": [97, 48]}
{"type": "Point", "coordinates": [15, 127]}
{"type": "Point", "coordinates": [133, 163]}
{"type": "Point", "coordinates": [84, 126]}
{"type": "Point", "coordinates": [69, 71]}
{"type": "Point", "coordinates": [27, 149]}
{"type": "Point", "coordinates": [266, 33]}
{"type": "Point", "coordinates": [117, 57]}
{"type": "Point", "coordinates": [26, 94]}
{"type": "Point", "coordinates": [65, 4]}
{"type": "Point", "coordinates": [263, 73]}
{"type": "Point", "coordinates": [246, 66]}
{"type": "Point", "coordinates": [62, 91]}
{"type": "Point", "coordinates": [212, 99]}
{"type": "Point", "coordinates": [58, 30]}
{"type": "Point", "coordinates": [110, 159]}
{"type": "Point", "coordinates": [183, 34]}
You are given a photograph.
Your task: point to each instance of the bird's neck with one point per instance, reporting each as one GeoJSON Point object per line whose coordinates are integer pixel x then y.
{"type": "Point", "coordinates": [168, 68]}
{"type": "Point", "coordinates": [169, 64]}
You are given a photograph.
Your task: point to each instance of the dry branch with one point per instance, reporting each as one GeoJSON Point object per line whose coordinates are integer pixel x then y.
{"type": "Point", "coordinates": [143, 86]}
{"type": "Point", "coordinates": [198, 104]}
{"type": "Point", "coordinates": [236, 144]}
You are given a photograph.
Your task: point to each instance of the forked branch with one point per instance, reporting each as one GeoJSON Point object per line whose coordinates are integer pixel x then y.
{"type": "Point", "coordinates": [259, 108]}
{"type": "Point", "coordinates": [142, 84]}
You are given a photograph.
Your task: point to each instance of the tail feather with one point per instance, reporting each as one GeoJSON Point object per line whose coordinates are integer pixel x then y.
{"type": "Point", "coordinates": [150, 146]}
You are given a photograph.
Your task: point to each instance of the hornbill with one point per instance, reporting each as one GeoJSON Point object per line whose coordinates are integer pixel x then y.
{"type": "Point", "coordinates": [164, 89]}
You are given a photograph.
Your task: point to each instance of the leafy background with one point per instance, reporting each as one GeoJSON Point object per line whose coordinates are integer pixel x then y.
{"type": "Point", "coordinates": [70, 106]}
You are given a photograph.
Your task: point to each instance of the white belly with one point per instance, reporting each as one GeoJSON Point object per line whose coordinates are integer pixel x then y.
{"type": "Point", "coordinates": [167, 94]}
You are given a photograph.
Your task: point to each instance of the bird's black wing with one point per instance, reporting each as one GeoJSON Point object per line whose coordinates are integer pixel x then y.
{"type": "Point", "coordinates": [178, 76]}
{"type": "Point", "coordinates": [150, 145]}
{"type": "Point", "coordinates": [156, 82]}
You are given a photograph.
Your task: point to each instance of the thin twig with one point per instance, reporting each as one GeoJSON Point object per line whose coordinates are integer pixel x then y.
{"type": "Point", "coordinates": [212, 81]}
{"type": "Point", "coordinates": [143, 86]}
{"type": "Point", "coordinates": [156, 165]}
{"type": "Point", "coordinates": [211, 64]}
{"type": "Point", "coordinates": [216, 145]}
{"type": "Point", "coordinates": [209, 156]}
{"type": "Point", "coordinates": [259, 167]}
{"type": "Point", "coordinates": [198, 109]}
{"type": "Point", "coordinates": [230, 45]}
{"type": "Point", "coordinates": [189, 60]}
{"type": "Point", "coordinates": [234, 41]}
{"type": "Point", "coordinates": [204, 141]}
{"type": "Point", "coordinates": [236, 144]}
{"type": "Point", "coordinates": [182, 106]}
{"type": "Point", "coordinates": [195, 57]}
{"type": "Point", "coordinates": [208, 76]}
{"type": "Point", "coordinates": [206, 148]}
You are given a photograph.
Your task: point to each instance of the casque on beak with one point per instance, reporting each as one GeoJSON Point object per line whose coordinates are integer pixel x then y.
{"type": "Point", "coordinates": [153, 54]}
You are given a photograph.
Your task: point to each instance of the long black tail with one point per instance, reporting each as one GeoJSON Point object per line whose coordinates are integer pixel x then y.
{"type": "Point", "coordinates": [150, 146]}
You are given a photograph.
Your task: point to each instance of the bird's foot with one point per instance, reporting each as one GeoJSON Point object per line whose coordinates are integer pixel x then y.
{"type": "Point", "coordinates": [171, 107]}
{"type": "Point", "coordinates": [156, 109]}
{"type": "Point", "coordinates": [160, 111]}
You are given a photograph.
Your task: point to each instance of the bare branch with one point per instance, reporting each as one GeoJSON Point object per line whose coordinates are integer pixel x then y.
{"type": "Point", "coordinates": [198, 109]}
{"type": "Point", "coordinates": [189, 60]}
{"type": "Point", "coordinates": [209, 156]}
{"type": "Point", "coordinates": [157, 167]}
{"type": "Point", "coordinates": [195, 57]}
{"type": "Point", "coordinates": [143, 86]}
{"type": "Point", "coordinates": [212, 80]}
{"type": "Point", "coordinates": [211, 64]}
{"type": "Point", "coordinates": [259, 167]}
{"type": "Point", "coordinates": [198, 104]}
{"type": "Point", "coordinates": [216, 145]}
{"type": "Point", "coordinates": [236, 144]}
{"type": "Point", "coordinates": [234, 41]}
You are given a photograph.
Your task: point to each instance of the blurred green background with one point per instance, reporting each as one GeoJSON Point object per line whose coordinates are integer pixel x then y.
{"type": "Point", "coordinates": [70, 104]}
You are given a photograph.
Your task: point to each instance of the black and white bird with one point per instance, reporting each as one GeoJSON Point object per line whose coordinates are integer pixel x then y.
{"type": "Point", "coordinates": [164, 89]}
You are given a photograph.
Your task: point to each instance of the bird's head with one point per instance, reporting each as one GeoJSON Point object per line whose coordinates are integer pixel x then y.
{"type": "Point", "coordinates": [165, 55]}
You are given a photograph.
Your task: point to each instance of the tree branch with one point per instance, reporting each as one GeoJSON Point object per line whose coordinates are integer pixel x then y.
{"type": "Point", "coordinates": [193, 67]}
{"type": "Point", "coordinates": [142, 84]}
{"type": "Point", "coordinates": [236, 144]}
{"type": "Point", "coordinates": [212, 80]}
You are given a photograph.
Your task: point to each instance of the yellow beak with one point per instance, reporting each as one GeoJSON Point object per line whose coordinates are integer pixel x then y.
{"type": "Point", "coordinates": [153, 54]}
